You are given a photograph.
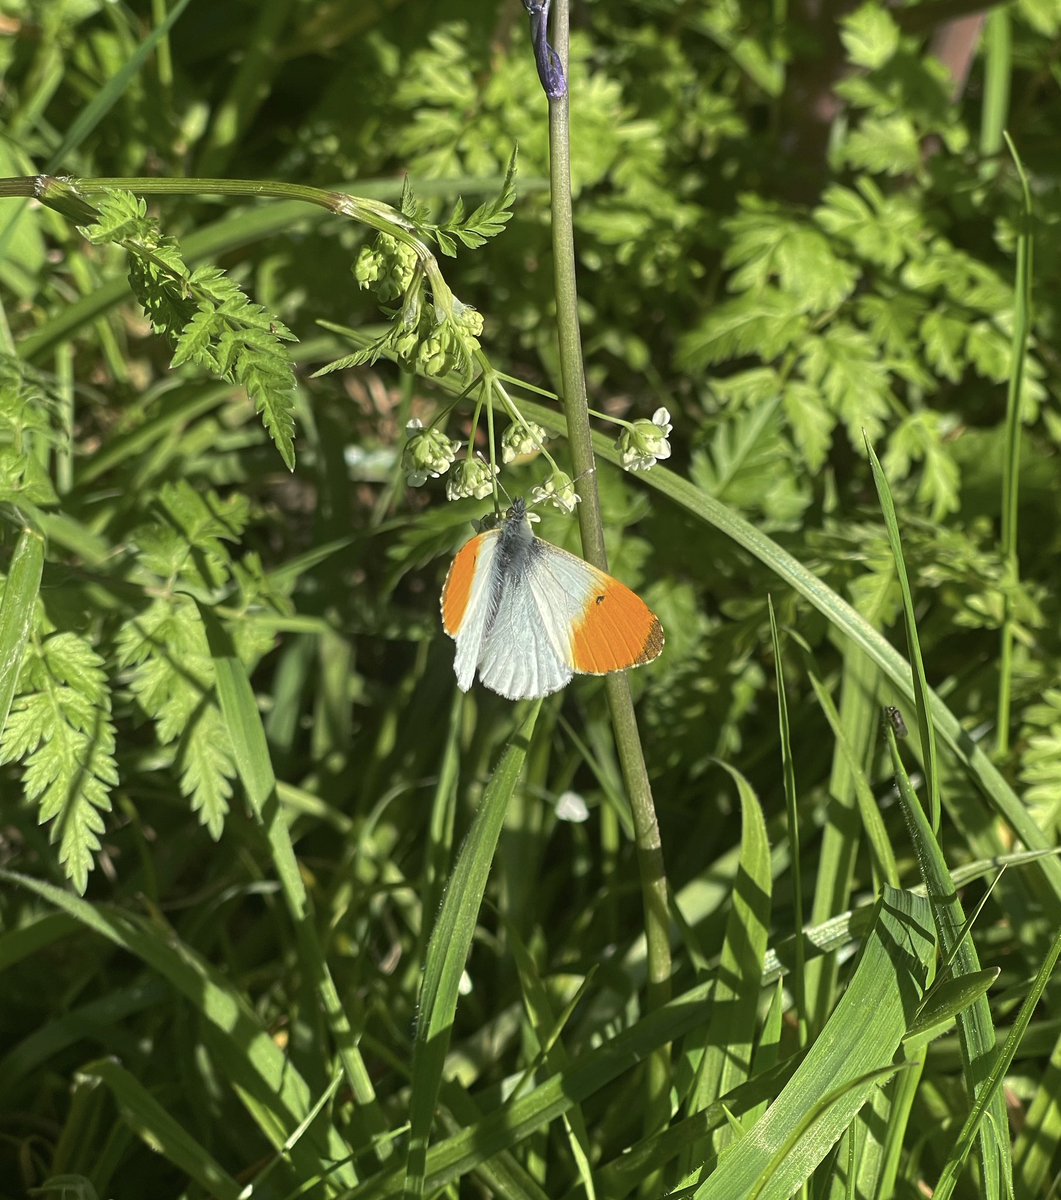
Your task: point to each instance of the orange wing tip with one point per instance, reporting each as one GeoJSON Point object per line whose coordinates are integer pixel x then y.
{"type": "Point", "coordinates": [617, 630]}
{"type": "Point", "coordinates": [457, 590]}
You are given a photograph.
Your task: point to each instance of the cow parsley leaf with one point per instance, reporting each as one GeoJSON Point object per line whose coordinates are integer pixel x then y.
{"type": "Point", "coordinates": [60, 729]}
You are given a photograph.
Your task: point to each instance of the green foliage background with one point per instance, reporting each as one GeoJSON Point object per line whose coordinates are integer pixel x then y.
{"type": "Point", "coordinates": [793, 233]}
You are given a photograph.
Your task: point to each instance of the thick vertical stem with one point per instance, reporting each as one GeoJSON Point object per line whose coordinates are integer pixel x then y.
{"type": "Point", "coordinates": [624, 720]}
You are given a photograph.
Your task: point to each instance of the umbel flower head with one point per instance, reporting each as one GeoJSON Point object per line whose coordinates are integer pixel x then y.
{"type": "Point", "coordinates": [518, 440]}
{"type": "Point", "coordinates": [471, 479]}
{"type": "Point", "coordinates": [427, 454]}
{"type": "Point", "coordinates": [559, 491]}
{"type": "Point", "coordinates": [643, 442]}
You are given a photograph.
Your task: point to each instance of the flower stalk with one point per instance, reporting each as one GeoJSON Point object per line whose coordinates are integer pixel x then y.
{"type": "Point", "coordinates": [624, 721]}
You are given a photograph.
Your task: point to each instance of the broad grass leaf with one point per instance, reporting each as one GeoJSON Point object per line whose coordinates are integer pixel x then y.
{"type": "Point", "coordinates": [447, 950]}
{"type": "Point", "coordinates": [842, 1067]}
{"type": "Point", "coordinates": [16, 612]}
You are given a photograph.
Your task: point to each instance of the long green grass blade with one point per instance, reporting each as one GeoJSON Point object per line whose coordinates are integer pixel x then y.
{"type": "Point", "coordinates": [792, 808]}
{"type": "Point", "coordinates": [983, 1111]}
{"type": "Point", "coordinates": [158, 1129]}
{"type": "Point", "coordinates": [975, 1028]}
{"type": "Point", "coordinates": [1037, 1144]}
{"type": "Point", "coordinates": [920, 682]}
{"type": "Point", "coordinates": [254, 765]}
{"type": "Point", "coordinates": [843, 1066]}
{"type": "Point", "coordinates": [447, 951]}
{"type": "Point", "coordinates": [998, 69]}
{"type": "Point", "coordinates": [16, 612]}
{"type": "Point", "coordinates": [730, 1034]}
{"type": "Point", "coordinates": [1022, 316]}
{"type": "Point", "coordinates": [872, 823]}
{"type": "Point", "coordinates": [837, 856]}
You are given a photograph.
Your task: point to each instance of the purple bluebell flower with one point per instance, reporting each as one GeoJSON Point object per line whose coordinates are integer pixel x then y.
{"type": "Point", "coordinates": [550, 72]}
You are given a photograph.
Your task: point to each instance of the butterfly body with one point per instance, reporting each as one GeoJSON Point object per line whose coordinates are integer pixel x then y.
{"type": "Point", "coordinates": [528, 616]}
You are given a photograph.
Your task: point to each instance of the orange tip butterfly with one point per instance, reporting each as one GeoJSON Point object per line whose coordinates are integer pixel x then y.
{"type": "Point", "coordinates": [528, 616]}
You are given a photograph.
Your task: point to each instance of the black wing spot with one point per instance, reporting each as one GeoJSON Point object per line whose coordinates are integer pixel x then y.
{"type": "Point", "coordinates": [600, 599]}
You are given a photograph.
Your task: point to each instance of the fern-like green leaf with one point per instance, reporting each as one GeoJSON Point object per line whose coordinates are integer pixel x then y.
{"type": "Point", "coordinates": [171, 674]}
{"type": "Point", "coordinates": [845, 366]}
{"type": "Point", "coordinates": [188, 541]}
{"type": "Point", "coordinates": [770, 247]}
{"type": "Point", "coordinates": [870, 35]}
{"type": "Point", "coordinates": [206, 314]}
{"type": "Point", "coordinates": [121, 218]}
{"type": "Point", "coordinates": [161, 295]}
{"type": "Point", "coordinates": [810, 420]}
{"type": "Point", "coordinates": [487, 221]}
{"type": "Point", "coordinates": [746, 463]}
{"type": "Point", "coordinates": [273, 392]}
{"type": "Point", "coordinates": [196, 341]}
{"type": "Point", "coordinates": [60, 728]}
{"type": "Point", "coordinates": [885, 145]}
{"type": "Point", "coordinates": [919, 439]}
{"type": "Point", "coordinates": [1041, 762]}
{"type": "Point", "coordinates": [765, 324]}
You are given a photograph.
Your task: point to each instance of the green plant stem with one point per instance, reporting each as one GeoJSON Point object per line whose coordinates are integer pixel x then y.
{"type": "Point", "coordinates": [997, 72]}
{"type": "Point", "coordinates": [624, 721]}
{"type": "Point", "coordinates": [67, 196]}
{"type": "Point", "coordinates": [1011, 463]}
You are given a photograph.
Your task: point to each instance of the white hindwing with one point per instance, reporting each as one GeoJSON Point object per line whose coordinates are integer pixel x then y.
{"type": "Point", "coordinates": [527, 651]}
{"type": "Point", "coordinates": [519, 658]}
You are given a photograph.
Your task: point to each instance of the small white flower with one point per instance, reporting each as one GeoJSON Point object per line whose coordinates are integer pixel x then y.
{"type": "Point", "coordinates": [471, 478]}
{"type": "Point", "coordinates": [559, 491]}
{"type": "Point", "coordinates": [518, 440]}
{"type": "Point", "coordinates": [571, 807]}
{"type": "Point", "coordinates": [427, 454]}
{"type": "Point", "coordinates": [642, 443]}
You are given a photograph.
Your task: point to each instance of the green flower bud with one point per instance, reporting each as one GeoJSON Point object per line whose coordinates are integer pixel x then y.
{"type": "Point", "coordinates": [428, 453]}
{"type": "Point", "coordinates": [368, 267]}
{"type": "Point", "coordinates": [519, 440]}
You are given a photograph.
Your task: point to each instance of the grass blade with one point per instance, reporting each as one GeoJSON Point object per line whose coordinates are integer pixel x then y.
{"type": "Point", "coordinates": [1036, 1146]}
{"type": "Point", "coordinates": [16, 613]}
{"type": "Point", "coordinates": [872, 824]}
{"type": "Point", "coordinates": [838, 855]}
{"type": "Point", "coordinates": [253, 763]}
{"type": "Point", "coordinates": [268, 1083]}
{"type": "Point", "coordinates": [143, 1113]}
{"type": "Point", "coordinates": [1022, 303]}
{"type": "Point", "coordinates": [843, 1067]}
{"type": "Point", "coordinates": [991, 1096]}
{"type": "Point", "coordinates": [920, 682]}
{"type": "Point", "coordinates": [975, 1029]}
{"type": "Point", "coordinates": [730, 1034]}
{"type": "Point", "coordinates": [792, 807]}
{"type": "Point", "coordinates": [447, 951]}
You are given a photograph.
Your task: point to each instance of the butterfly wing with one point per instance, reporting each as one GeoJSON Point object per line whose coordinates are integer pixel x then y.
{"type": "Point", "coordinates": [596, 623]}
{"type": "Point", "coordinates": [528, 628]}
{"type": "Point", "coordinates": [519, 657]}
{"type": "Point", "coordinates": [467, 600]}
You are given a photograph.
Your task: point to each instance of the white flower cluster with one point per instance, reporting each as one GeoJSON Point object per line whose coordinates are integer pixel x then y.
{"type": "Point", "coordinates": [428, 453]}
{"type": "Point", "coordinates": [641, 444]}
